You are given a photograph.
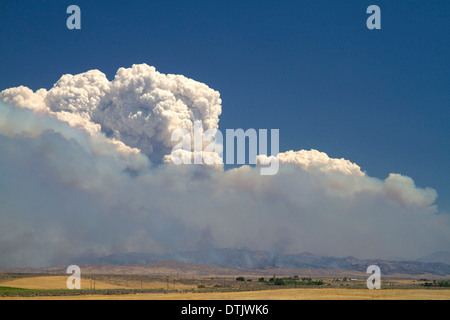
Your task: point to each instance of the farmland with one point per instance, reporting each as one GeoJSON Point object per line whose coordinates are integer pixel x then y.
{"type": "Point", "coordinates": [214, 287]}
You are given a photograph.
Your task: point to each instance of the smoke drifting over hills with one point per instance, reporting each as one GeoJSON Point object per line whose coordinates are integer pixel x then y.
{"type": "Point", "coordinates": [82, 173]}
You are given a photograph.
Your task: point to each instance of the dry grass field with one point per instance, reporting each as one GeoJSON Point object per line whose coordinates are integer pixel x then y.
{"type": "Point", "coordinates": [315, 294]}
{"type": "Point", "coordinates": [59, 282]}
{"type": "Point", "coordinates": [278, 294]}
{"type": "Point", "coordinates": [215, 289]}
{"type": "Point", "coordinates": [49, 282]}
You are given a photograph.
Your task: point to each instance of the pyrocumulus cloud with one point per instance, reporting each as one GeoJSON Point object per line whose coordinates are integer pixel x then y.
{"type": "Point", "coordinates": [83, 172]}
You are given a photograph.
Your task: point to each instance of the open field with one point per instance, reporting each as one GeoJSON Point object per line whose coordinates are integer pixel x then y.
{"type": "Point", "coordinates": [277, 294]}
{"type": "Point", "coordinates": [93, 283]}
{"type": "Point", "coordinates": [142, 287]}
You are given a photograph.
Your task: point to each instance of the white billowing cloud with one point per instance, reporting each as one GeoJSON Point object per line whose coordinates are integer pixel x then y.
{"type": "Point", "coordinates": [315, 160]}
{"type": "Point", "coordinates": [23, 97]}
{"type": "Point", "coordinates": [16, 122]}
{"type": "Point", "coordinates": [76, 178]}
{"type": "Point", "coordinates": [181, 156]}
{"type": "Point", "coordinates": [340, 177]}
{"type": "Point", "coordinates": [140, 107]}
{"type": "Point", "coordinates": [404, 190]}
{"type": "Point", "coordinates": [144, 107]}
{"type": "Point", "coordinates": [76, 120]}
{"type": "Point", "coordinates": [79, 94]}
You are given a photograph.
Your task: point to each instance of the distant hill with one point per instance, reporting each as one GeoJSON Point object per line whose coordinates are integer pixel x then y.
{"type": "Point", "coordinates": [249, 259]}
{"type": "Point", "coordinates": [438, 256]}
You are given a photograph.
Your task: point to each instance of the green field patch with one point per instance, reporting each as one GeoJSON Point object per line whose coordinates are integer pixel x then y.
{"type": "Point", "coordinates": [20, 292]}
{"type": "Point", "coordinates": [7, 289]}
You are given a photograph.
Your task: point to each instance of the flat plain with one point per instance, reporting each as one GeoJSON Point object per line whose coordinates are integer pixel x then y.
{"type": "Point", "coordinates": [213, 287]}
{"type": "Point", "coordinates": [277, 294]}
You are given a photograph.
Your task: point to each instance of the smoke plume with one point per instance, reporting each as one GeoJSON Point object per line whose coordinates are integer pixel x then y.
{"type": "Point", "coordinates": [83, 172]}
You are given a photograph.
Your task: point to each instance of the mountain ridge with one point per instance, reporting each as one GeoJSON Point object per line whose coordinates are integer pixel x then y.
{"type": "Point", "coordinates": [256, 259]}
{"type": "Point", "coordinates": [437, 256]}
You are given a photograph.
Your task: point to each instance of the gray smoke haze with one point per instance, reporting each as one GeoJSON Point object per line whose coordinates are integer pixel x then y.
{"type": "Point", "coordinates": [82, 173]}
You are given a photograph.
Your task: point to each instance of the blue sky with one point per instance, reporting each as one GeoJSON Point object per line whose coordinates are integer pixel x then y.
{"type": "Point", "coordinates": [312, 69]}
